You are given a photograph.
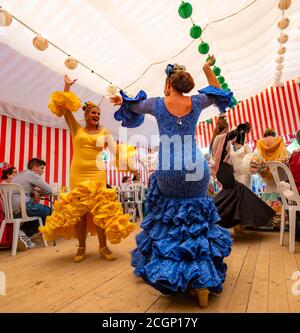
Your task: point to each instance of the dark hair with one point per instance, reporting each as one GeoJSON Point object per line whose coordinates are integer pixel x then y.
{"type": "Point", "coordinates": [221, 125]}
{"type": "Point", "coordinates": [269, 132]}
{"type": "Point", "coordinates": [35, 162]}
{"type": "Point", "coordinates": [298, 136]}
{"type": "Point", "coordinates": [182, 81]}
{"type": "Point", "coordinates": [124, 179]}
{"type": "Point", "coordinates": [7, 172]}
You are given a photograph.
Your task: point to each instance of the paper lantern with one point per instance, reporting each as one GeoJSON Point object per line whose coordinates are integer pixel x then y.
{"type": "Point", "coordinates": [71, 63]}
{"type": "Point", "coordinates": [195, 31]}
{"type": "Point", "coordinates": [283, 38]}
{"type": "Point", "coordinates": [284, 4]}
{"type": "Point", "coordinates": [217, 71]}
{"type": "Point", "coordinates": [280, 60]}
{"type": "Point", "coordinates": [5, 18]}
{"type": "Point", "coordinates": [40, 43]}
{"type": "Point", "coordinates": [111, 89]}
{"type": "Point", "coordinates": [278, 74]}
{"type": "Point", "coordinates": [185, 10]}
{"type": "Point", "coordinates": [283, 23]}
{"type": "Point", "coordinates": [281, 50]}
{"type": "Point", "coordinates": [221, 79]}
{"type": "Point", "coordinates": [213, 61]}
{"type": "Point", "coordinates": [203, 48]}
{"type": "Point", "coordinates": [279, 67]}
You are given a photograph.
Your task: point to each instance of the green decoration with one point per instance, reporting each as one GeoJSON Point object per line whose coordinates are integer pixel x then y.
{"type": "Point", "coordinates": [208, 121]}
{"type": "Point", "coordinates": [224, 86]}
{"type": "Point", "coordinates": [185, 10]}
{"type": "Point", "coordinates": [195, 31]}
{"type": "Point", "coordinates": [217, 71]}
{"type": "Point", "coordinates": [208, 59]}
{"type": "Point", "coordinates": [203, 48]}
{"type": "Point", "coordinates": [221, 79]}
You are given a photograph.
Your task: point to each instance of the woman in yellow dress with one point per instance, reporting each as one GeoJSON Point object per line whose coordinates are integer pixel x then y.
{"type": "Point", "coordinates": [89, 207]}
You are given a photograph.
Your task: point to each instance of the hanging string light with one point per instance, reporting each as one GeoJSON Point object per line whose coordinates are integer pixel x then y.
{"type": "Point", "coordinates": [185, 11]}
{"type": "Point", "coordinates": [282, 39]}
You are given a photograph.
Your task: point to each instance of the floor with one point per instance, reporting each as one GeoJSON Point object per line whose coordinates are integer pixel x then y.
{"type": "Point", "coordinates": [47, 280]}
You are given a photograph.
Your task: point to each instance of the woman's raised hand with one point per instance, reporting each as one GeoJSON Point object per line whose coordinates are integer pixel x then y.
{"type": "Point", "coordinates": [69, 82]}
{"type": "Point", "coordinates": [210, 61]}
{"type": "Point", "coordinates": [116, 99]}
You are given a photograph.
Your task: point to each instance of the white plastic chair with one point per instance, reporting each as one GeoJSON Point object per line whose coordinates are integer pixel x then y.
{"type": "Point", "coordinates": [139, 197]}
{"type": "Point", "coordinates": [6, 195]}
{"type": "Point", "coordinates": [290, 199]}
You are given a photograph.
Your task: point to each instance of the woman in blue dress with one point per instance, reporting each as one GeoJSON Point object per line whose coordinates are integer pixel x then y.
{"type": "Point", "coordinates": [181, 247]}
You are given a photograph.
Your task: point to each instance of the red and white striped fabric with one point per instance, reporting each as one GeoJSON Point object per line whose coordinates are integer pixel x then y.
{"type": "Point", "coordinates": [20, 141]}
{"type": "Point", "coordinates": [276, 107]}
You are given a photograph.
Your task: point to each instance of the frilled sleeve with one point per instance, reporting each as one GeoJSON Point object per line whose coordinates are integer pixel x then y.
{"type": "Point", "coordinates": [63, 104]}
{"type": "Point", "coordinates": [132, 111]}
{"type": "Point", "coordinates": [211, 95]}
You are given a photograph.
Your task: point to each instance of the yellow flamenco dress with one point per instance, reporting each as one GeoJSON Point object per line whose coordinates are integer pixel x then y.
{"type": "Point", "coordinates": [88, 192]}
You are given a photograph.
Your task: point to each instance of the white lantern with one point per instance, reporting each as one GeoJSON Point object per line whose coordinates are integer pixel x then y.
{"type": "Point", "coordinates": [279, 67]}
{"type": "Point", "coordinates": [284, 4]}
{"type": "Point", "coordinates": [5, 18]}
{"type": "Point", "coordinates": [281, 50]}
{"type": "Point", "coordinates": [280, 60]}
{"type": "Point", "coordinates": [283, 38]}
{"type": "Point", "coordinates": [283, 23]}
{"type": "Point", "coordinates": [111, 89]}
{"type": "Point", "coordinates": [71, 63]}
{"type": "Point", "coordinates": [40, 43]}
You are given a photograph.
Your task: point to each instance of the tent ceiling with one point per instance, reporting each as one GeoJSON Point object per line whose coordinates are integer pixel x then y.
{"type": "Point", "coordinates": [121, 39]}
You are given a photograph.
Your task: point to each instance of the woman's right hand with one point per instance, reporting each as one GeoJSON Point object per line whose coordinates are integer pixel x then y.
{"type": "Point", "coordinates": [116, 99]}
{"type": "Point", "coordinates": [68, 82]}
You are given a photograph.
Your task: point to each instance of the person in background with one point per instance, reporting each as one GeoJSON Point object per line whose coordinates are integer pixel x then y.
{"type": "Point", "coordinates": [30, 180]}
{"type": "Point", "coordinates": [239, 155]}
{"type": "Point", "coordinates": [136, 177]}
{"type": "Point", "coordinates": [270, 148]}
{"type": "Point", "coordinates": [7, 176]}
{"type": "Point", "coordinates": [294, 163]}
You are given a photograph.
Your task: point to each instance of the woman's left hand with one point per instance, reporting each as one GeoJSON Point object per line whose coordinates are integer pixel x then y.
{"type": "Point", "coordinates": [116, 100]}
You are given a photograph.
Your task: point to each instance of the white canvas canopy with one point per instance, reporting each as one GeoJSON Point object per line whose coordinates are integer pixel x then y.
{"type": "Point", "coordinates": [124, 40]}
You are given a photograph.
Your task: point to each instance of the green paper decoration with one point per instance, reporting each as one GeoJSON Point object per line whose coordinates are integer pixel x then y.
{"type": "Point", "coordinates": [185, 10]}
{"type": "Point", "coordinates": [208, 59]}
{"type": "Point", "coordinates": [221, 79]}
{"type": "Point", "coordinates": [217, 71]}
{"type": "Point", "coordinates": [203, 48]}
{"type": "Point", "coordinates": [224, 86]}
{"type": "Point", "coordinates": [195, 31]}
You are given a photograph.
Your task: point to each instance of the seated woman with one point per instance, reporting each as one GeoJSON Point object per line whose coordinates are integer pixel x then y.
{"type": "Point", "coordinates": [270, 148]}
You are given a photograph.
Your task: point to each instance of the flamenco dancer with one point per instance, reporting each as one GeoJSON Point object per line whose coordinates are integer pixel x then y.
{"type": "Point", "coordinates": [237, 205]}
{"type": "Point", "coordinates": [181, 246]}
{"type": "Point", "coordinates": [89, 207]}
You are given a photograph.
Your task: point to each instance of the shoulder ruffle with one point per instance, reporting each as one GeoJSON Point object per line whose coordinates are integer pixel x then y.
{"type": "Point", "coordinates": [130, 119]}
{"type": "Point", "coordinates": [61, 101]}
{"type": "Point", "coordinates": [223, 98]}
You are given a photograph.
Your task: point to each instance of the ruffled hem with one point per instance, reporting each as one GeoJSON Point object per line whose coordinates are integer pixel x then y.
{"type": "Point", "coordinates": [88, 197]}
{"type": "Point", "coordinates": [130, 119]}
{"type": "Point", "coordinates": [61, 101]}
{"type": "Point", "coordinates": [223, 98]}
{"type": "Point", "coordinates": [181, 244]}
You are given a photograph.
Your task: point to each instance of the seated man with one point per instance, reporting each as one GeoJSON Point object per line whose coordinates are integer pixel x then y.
{"type": "Point", "coordinates": [30, 180]}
